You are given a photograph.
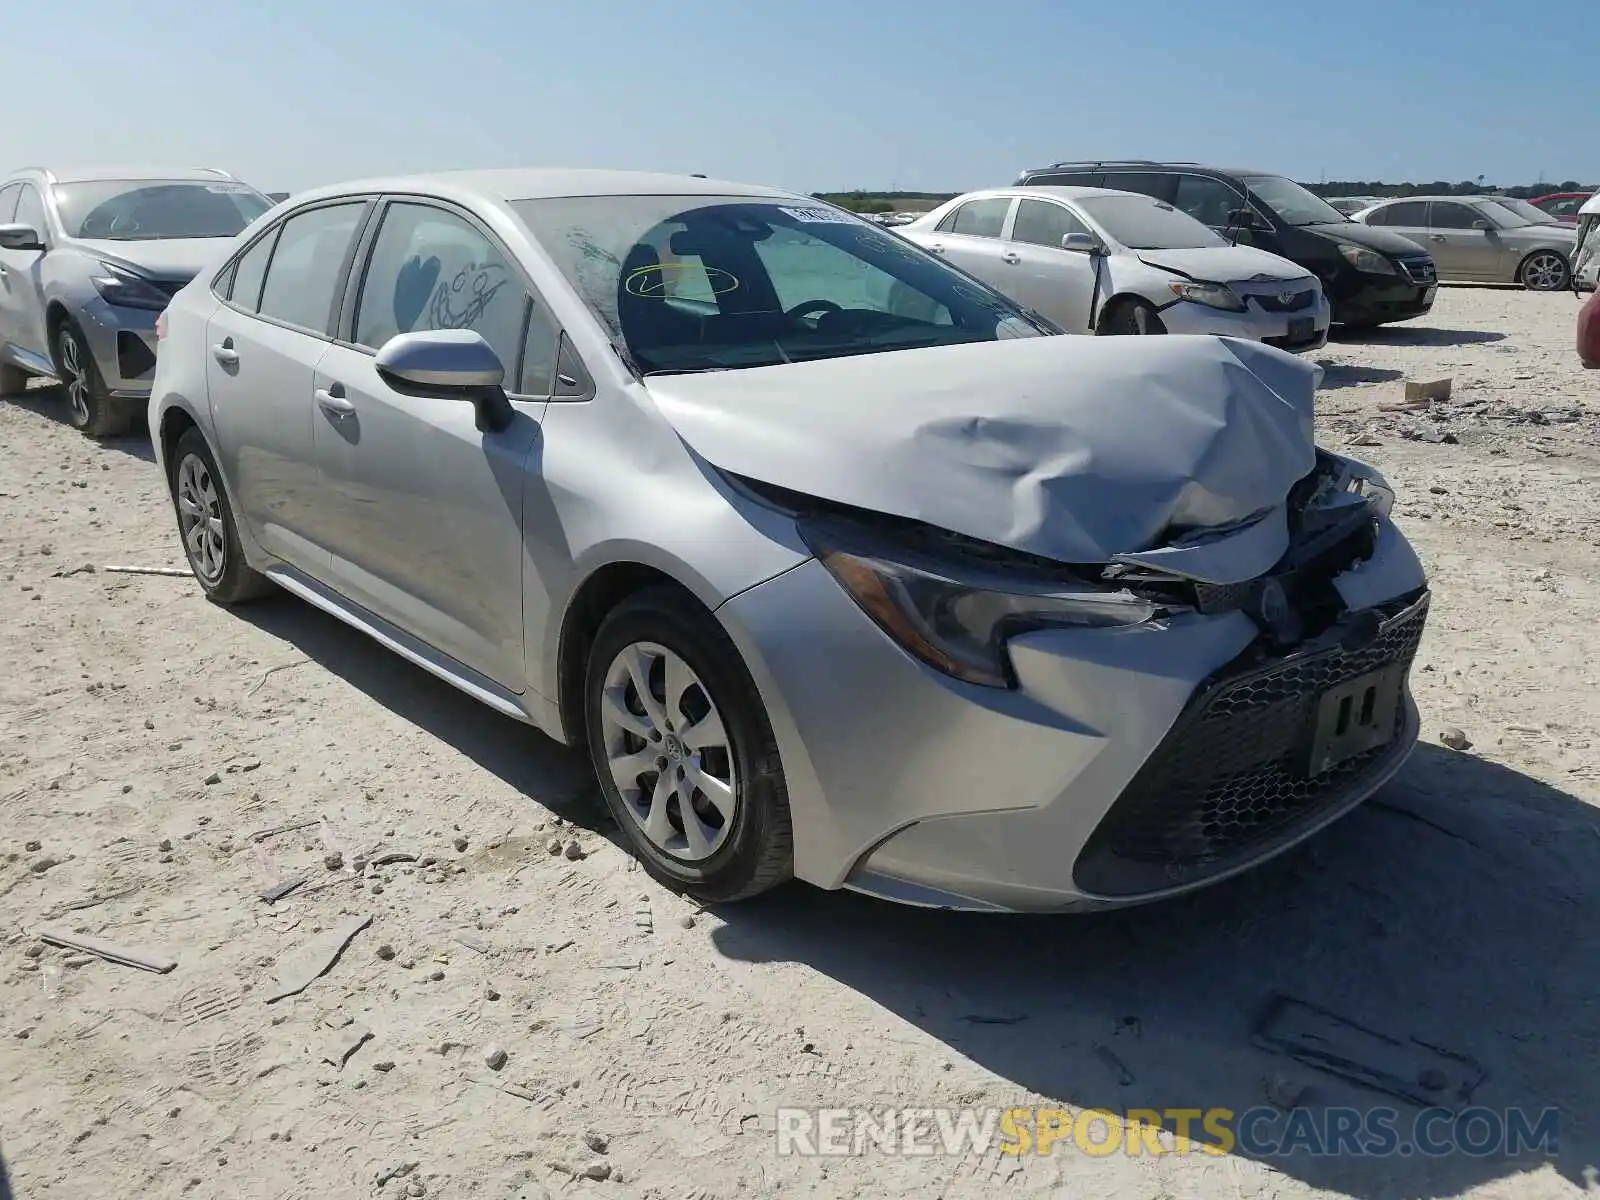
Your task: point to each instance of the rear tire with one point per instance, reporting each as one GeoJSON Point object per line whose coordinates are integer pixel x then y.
{"type": "Point", "coordinates": [1131, 317]}
{"type": "Point", "coordinates": [714, 729]}
{"type": "Point", "coordinates": [92, 411]}
{"type": "Point", "coordinates": [206, 525]}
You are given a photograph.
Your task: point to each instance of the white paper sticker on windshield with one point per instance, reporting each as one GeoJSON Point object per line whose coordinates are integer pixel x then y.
{"type": "Point", "coordinates": [226, 189]}
{"type": "Point", "coordinates": [818, 216]}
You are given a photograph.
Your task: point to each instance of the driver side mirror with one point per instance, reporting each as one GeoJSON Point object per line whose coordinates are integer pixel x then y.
{"type": "Point", "coordinates": [1081, 243]}
{"type": "Point", "coordinates": [453, 364]}
{"type": "Point", "coordinates": [1244, 218]}
{"type": "Point", "coordinates": [20, 237]}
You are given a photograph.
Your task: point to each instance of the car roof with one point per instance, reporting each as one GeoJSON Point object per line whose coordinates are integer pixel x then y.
{"type": "Point", "coordinates": [537, 183]}
{"type": "Point", "coordinates": [1454, 199]}
{"type": "Point", "coordinates": [1135, 164]}
{"type": "Point", "coordinates": [109, 174]}
{"type": "Point", "coordinates": [1062, 191]}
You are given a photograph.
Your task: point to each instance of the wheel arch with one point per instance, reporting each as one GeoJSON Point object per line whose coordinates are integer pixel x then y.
{"type": "Point", "coordinates": [601, 591]}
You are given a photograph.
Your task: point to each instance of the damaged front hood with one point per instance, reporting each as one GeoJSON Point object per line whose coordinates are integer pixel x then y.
{"type": "Point", "coordinates": [1078, 449]}
{"type": "Point", "coordinates": [1224, 264]}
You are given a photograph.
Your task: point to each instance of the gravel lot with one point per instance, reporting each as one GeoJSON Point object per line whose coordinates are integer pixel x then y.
{"type": "Point", "coordinates": [145, 735]}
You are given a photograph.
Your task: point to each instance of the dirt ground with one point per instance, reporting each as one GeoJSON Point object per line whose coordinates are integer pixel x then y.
{"type": "Point", "coordinates": [146, 736]}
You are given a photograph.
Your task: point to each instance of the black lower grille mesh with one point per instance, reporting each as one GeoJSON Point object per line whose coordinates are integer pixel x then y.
{"type": "Point", "coordinates": [1232, 773]}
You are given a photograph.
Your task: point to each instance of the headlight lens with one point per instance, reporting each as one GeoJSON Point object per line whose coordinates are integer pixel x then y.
{"type": "Point", "coordinates": [127, 290]}
{"type": "Point", "coordinates": [1212, 295]}
{"type": "Point", "coordinates": [955, 626]}
{"type": "Point", "coordinates": [1363, 259]}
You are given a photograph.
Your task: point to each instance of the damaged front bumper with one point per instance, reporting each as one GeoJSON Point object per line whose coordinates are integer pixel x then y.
{"type": "Point", "coordinates": [1124, 765]}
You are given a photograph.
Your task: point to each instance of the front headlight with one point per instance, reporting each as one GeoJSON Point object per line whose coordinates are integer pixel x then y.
{"type": "Point", "coordinates": [1368, 483]}
{"type": "Point", "coordinates": [127, 290]}
{"type": "Point", "coordinates": [1212, 295]}
{"type": "Point", "coordinates": [961, 626]}
{"type": "Point", "coordinates": [1363, 259]}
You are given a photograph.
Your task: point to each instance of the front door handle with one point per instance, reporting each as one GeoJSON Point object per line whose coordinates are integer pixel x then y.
{"type": "Point", "coordinates": [1011, 256]}
{"type": "Point", "coordinates": [1436, 237]}
{"type": "Point", "coordinates": [936, 248]}
{"type": "Point", "coordinates": [333, 400]}
{"type": "Point", "coordinates": [225, 353]}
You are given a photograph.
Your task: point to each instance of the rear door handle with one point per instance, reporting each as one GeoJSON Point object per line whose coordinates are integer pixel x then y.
{"type": "Point", "coordinates": [225, 353]}
{"type": "Point", "coordinates": [333, 400]}
{"type": "Point", "coordinates": [1011, 256]}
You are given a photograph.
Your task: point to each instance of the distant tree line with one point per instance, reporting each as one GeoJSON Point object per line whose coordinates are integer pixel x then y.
{"type": "Point", "coordinates": [862, 201]}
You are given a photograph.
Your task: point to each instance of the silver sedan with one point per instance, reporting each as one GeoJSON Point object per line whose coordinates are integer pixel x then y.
{"type": "Point", "coordinates": [1479, 239]}
{"type": "Point", "coordinates": [837, 563]}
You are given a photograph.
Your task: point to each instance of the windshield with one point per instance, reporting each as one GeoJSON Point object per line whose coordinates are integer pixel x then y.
{"type": "Point", "coordinates": [1530, 215]}
{"type": "Point", "coordinates": [697, 283]}
{"type": "Point", "coordinates": [126, 210]}
{"type": "Point", "coordinates": [1293, 203]}
{"type": "Point", "coordinates": [1141, 223]}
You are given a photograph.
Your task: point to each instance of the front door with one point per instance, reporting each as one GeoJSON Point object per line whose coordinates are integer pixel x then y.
{"type": "Point", "coordinates": [22, 320]}
{"type": "Point", "coordinates": [424, 509]}
{"type": "Point", "coordinates": [1458, 248]}
{"type": "Point", "coordinates": [1039, 273]}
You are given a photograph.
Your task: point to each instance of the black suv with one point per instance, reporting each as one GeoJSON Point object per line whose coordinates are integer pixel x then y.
{"type": "Point", "coordinates": [1370, 276]}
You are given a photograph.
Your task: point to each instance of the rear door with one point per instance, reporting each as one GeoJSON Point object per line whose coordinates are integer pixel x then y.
{"type": "Point", "coordinates": [969, 236]}
{"type": "Point", "coordinates": [424, 509]}
{"type": "Point", "coordinates": [1468, 253]}
{"type": "Point", "coordinates": [1039, 273]}
{"type": "Point", "coordinates": [264, 344]}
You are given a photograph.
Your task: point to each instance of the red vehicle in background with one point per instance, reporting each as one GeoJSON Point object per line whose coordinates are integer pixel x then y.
{"type": "Point", "coordinates": [1563, 206]}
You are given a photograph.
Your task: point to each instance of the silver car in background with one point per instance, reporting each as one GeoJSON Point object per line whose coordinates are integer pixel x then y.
{"type": "Point", "coordinates": [1478, 239]}
{"type": "Point", "coordinates": [88, 259]}
{"type": "Point", "coordinates": [838, 564]}
{"type": "Point", "coordinates": [1096, 260]}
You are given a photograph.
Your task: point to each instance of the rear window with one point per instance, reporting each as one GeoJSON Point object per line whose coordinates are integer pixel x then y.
{"type": "Point", "coordinates": [152, 210]}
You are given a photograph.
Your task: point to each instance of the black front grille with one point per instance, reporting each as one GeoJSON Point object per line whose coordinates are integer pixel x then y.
{"type": "Point", "coordinates": [1420, 271]}
{"type": "Point", "coordinates": [1233, 773]}
{"type": "Point", "coordinates": [1282, 302]}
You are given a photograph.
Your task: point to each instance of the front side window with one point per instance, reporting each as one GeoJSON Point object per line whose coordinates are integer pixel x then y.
{"type": "Point", "coordinates": [432, 269]}
{"type": "Point", "coordinates": [693, 283]}
{"type": "Point", "coordinates": [1443, 215]}
{"type": "Point", "coordinates": [1294, 204]}
{"type": "Point", "coordinates": [30, 211]}
{"type": "Point", "coordinates": [980, 218]}
{"type": "Point", "coordinates": [1041, 223]}
{"type": "Point", "coordinates": [1208, 201]}
{"type": "Point", "coordinates": [307, 264]}
{"type": "Point", "coordinates": [1141, 223]}
{"type": "Point", "coordinates": [125, 210]}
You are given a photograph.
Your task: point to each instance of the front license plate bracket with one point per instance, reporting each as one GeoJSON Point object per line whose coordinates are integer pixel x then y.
{"type": "Point", "coordinates": [1354, 717]}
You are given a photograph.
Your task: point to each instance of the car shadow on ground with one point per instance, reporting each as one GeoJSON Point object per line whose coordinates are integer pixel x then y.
{"type": "Point", "coordinates": [1343, 375]}
{"type": "Point", "coordinates": [1460, 907]}
{"type": "Point", "coordinates": [538, 766]}
{"type": "Point", "coordinates": [1413, 335]}
{"type": "Point", "coordinates": [50, 401]}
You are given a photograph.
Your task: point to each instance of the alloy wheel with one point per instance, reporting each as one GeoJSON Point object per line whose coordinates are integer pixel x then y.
{"type": "Point", "coordinates": [1544, 272]}
{"type": "Point", "coordinates": [668, 752]}
{"type": "Point", "coordinates": [200, 519]}
{"type": "Point", "coordinates": [77, 379]}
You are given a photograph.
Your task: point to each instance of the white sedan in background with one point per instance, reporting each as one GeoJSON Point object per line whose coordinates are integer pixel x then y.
{"type": "Point", "coordinates": [1094, 260]}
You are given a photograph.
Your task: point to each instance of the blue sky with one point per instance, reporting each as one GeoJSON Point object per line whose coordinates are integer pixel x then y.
{"type": "Point", "coordinates": [809, 94]}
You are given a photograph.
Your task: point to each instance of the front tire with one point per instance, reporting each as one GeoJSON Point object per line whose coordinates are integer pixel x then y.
{"type": "Point", "coordinates": [206, 525]}
{"type": "Point", "coordinates": [1131, 317]}
{"type": "Point", "coordinates": [91, 409]}
{"type": "Point", "coordinates": [683, 751]}
{"type": "Point", "coordinates": [1544, 271]}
